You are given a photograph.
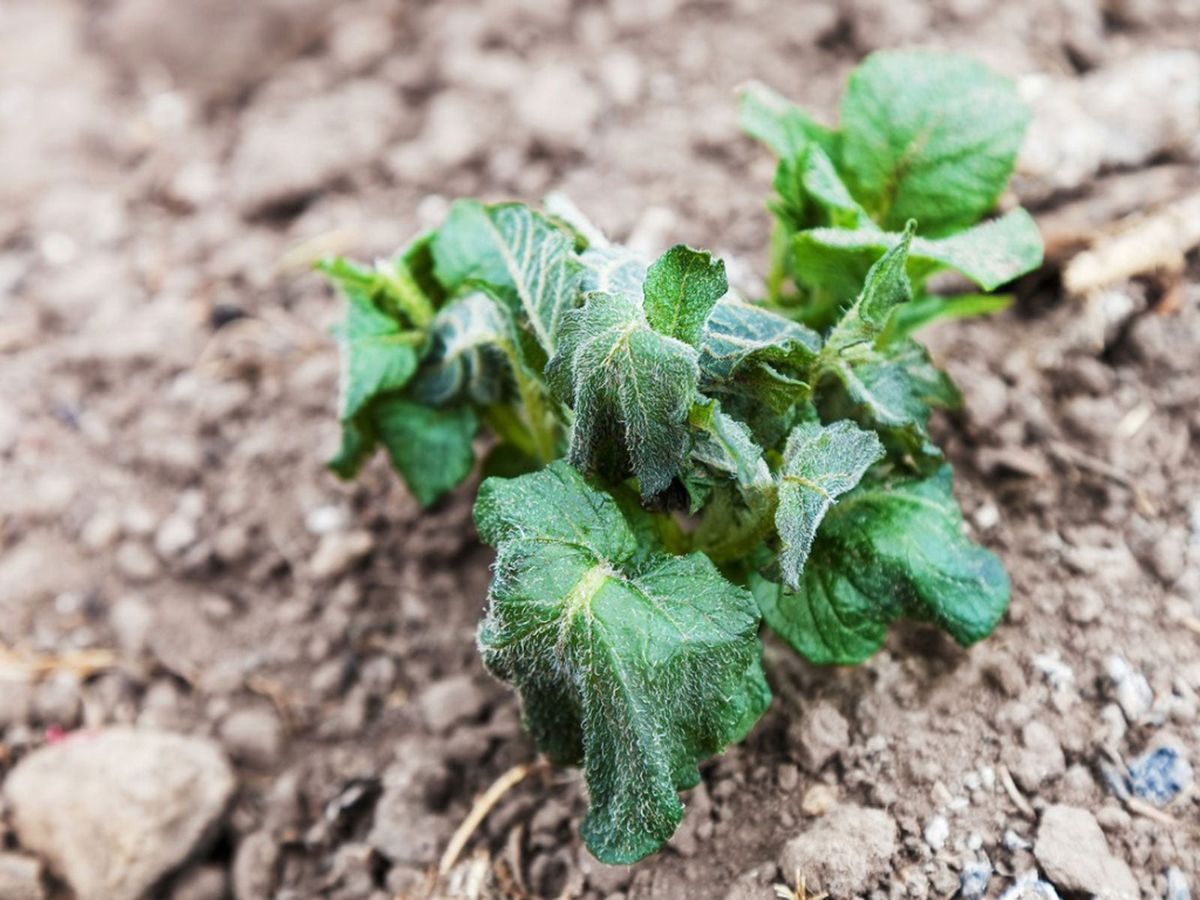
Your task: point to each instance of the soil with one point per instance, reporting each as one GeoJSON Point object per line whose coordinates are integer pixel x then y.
{"type": "Point", "coordinates": [174, 555]}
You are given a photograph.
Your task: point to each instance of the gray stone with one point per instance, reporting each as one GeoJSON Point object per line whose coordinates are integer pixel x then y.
{"type": "Point", "coordinates": [288, 151]}
{"type": "Point", "coordinates": [819, 736]}
{"type": "Point", "coordinates": [255, 866]}
{"type": "Point", "coordinates": [845, 852]}
{"type": "Point", "coordinates": [1083, 125]}
{"type": "Point", "coordinates": [558, 107]}
{"type": "Point", "coordinates": [405, 828]}
{"type": "Point", "coordinates": [1130, 688]}
{"type": "Point", "coordinates": [20, 877]}
{"type": "Point", "coordinates": [201, 883]}
{"type": "Point", "coordinates": [252, 735]}
{"type": "Point", "coordinates": [211, 49]}
{"type": "Point", "coordinates": [114, 811]}
{"type": "Point", "coordinates": [1039, 758]}
{"type": "Point", "coordinates": [57, 700]}
{"type": "Point", "coordinates": [1073, 853]}
{"type": "Point", "coordinates": [451, 702]}
{"type": "Point", "coordinates": [338, 551]}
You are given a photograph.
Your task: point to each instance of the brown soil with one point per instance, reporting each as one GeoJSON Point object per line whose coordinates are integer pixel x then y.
{"type": "Point", "coordinates": [167, 402]}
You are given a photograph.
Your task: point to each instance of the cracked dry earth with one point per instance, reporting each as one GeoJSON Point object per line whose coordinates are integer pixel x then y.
{"type": "Point", "coordinates": [174, 558]}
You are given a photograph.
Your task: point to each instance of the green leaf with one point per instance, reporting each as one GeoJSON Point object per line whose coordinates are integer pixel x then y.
{"type": "Point", "coordinates": [430, 447]}
{"type": "Point", "coordinates": [519, 254]}
{"type": "Point", "coordinates": [724, 445]}
{"type": "Point", "coordinates": [637, 672]}
{"type": "Point", "coordinates": [769, 117]}
{"type": "Point", "coordinates": [928, 136]}
{"type": "Point", "coordinates": [990, 254]}
{"type": "Point", "coordinates": [631, 389]}
{"type": "Point", "coordinates": [358, 443]}
{"type": "Point", "coordinates": [680, 290]}
{"type": "Point", "coordinates": [930, 308]}
{"type": "Point", "coordinates": [612, 269]}
{"type": "Point", "coordinates": [812, 194]}
{"type": "Point", "coordinates": [893, 391]}
{"type": "Point", "coordinates": [402, 287]}
{"type": "Point", "coordinates": [748, 349]}
{"type": "Point", "coordinates": [887, 551]}
{"type": "Point", "coordinates": [470, 338]}
{"type": "Point", "coordinates": [376, 355]}
{"type": "Point", "coordinates": [885, 288]}
{"type": "Point", "coordinates": [820, 463]}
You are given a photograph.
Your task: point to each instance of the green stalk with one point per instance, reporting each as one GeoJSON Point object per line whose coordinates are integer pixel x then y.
{"type": "Point", "coordinates": [542, 434]}
{"type": "Point", "coordinates": [409, 296]}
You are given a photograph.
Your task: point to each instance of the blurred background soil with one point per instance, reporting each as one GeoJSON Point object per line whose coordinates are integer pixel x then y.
{"type": "Point", "coordinates": [174, 556]}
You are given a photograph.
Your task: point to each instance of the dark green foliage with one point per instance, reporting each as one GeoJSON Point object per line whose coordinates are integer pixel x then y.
{"type": "Point", "coordinates": [671, 463]}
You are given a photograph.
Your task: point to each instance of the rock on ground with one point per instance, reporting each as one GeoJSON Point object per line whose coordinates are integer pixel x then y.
{"type": "Point", "coordinates": [1081, 126]}
{"type": "Point", "coordinates": [20, 878]}
{"type": "Point", "coordinates": [116, 810]}
{"type": "Point", "coordinates": [821, 735]}
{"type": "Point", "coordinates": [406, 830]}
{"type": "Point", "coordinates": [212, 49]}
{"type": "Point", "coordinates": [1073, 853]}
{"type": "Point", "coordinates": [844, 852]}
{"type": "Point", "coordinates": [288, 151]}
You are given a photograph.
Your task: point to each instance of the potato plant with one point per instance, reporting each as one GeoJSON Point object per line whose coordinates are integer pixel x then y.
{"type": "Point", "coordinates": [670, 464]}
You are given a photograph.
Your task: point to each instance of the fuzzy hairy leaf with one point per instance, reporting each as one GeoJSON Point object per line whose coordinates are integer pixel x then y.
{"type": "Point", "coordinates": [469, 339]}
{"type": "Point", "coordinates": [887, 551]}
{"type": "Point", "coordinates": [928, 136]}
{"type": "Point", "coordinates": [990, 254]}
{"type": "Point", "coordinates": [636, 671]}
{"type": "Point", "coordinates": [680, 290]}
{"type": "Point", "coordinates": [377, 356]}
{"type": "Point", "coordinates": [812, 194]}
{"type": "Point", "coordinates": [750, 350]}
{"type": "Point", "coordinates": [931, 308]}
{"type": "Point", "coordinates": [768, 116]}
{"type": "Point", "coordinates": [523, 257]}
{"type": "Point", "coordinates": [630, 387]}
{"type": "Point", "coordinates": [612, 269]}
{"type": "Point", "coordinates": [430, 447]}
{"type": "Point", "coordinates": [885, 288]}
{"type": "Point", "coordinates": [724, 445]}
{"type": "Point", "coordinates": [820, 463]}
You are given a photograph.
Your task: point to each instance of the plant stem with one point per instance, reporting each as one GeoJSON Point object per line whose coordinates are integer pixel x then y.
{"type": "Point", "coordinates": [409, 296]}
{"type": "Point", "coordinates": [541, 429]}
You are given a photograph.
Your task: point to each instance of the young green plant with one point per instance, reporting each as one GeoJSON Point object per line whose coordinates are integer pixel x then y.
{"type": "Point", "coordinates": [669, 464]}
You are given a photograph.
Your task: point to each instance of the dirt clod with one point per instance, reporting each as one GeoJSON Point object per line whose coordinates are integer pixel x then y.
{"type": "Point", "coordinates": [1071, 849]}
{"type": "Point", "coordinates": [114, 811]}
{"type": "Point", "coordinates": [843, 853]}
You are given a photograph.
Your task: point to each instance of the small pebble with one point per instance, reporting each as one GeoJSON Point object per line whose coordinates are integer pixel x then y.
{"type": "Point", "coordinates": [1160, 775]}
{"type": "Point", "coordinates": [818, 800]}
{"type": "Point", "coordinates": [20, 877]}
{"type": "Point", "coordinates": [1131, 690]}
{"type": "Point", "coordinates": [337, 552]}
{"type": "Point", "coordinates": [1029, 887]}
{"type": "Point", "coordinates": [326, 520]}
{"type": "Point", "coordinates": [974, 881]}
{"type": "Point", "coordinates": [937, 830]}
{"type": "Point", "coordinates": [1014, 843]}
{"type": "Point", "coordinates": [136, 562]}
{"type": "Point", "coordinates": [450, 702]}
{"type": "Point", "coordinates": [174, 536]}
{"type": "Point", "coordinates": [253, 736]}
{"type": "Point", "coordinates": [1177, 885]}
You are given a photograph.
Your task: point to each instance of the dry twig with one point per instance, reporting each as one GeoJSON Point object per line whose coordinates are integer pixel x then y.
{"type": "Point", "coordinates": [32, 666]}
{"type": "Point", "coordinates": [483, 805]}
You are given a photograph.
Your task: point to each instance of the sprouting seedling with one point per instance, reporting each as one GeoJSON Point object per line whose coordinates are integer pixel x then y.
{"type": "Point", "coordinates": [670, 464]}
